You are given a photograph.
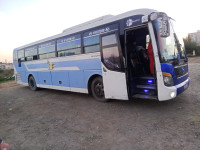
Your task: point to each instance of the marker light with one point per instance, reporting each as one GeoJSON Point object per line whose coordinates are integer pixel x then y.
{"type": "Point", "coordinates": [172, 94]}
{"type": "Point", "coordinates": [146, 91]}
{"type": "Point", "coordinates": [150, 81]}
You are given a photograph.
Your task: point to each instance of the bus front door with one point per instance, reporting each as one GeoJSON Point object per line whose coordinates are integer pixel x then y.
{"type": "Point", "coordinates": [114, 78]}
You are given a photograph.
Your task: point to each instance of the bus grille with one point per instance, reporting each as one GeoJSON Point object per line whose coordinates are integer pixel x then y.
{"type": "Point", "coordinates": [181, 70]}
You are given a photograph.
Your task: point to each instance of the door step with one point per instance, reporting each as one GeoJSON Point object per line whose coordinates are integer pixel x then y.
{"type": "Point", "coordinates": [146, 77]}
{"type": "Point", "coordinates": [145, 80]}
{"type": "Point", "coordinates": [153, 87]}
{"type": "Point", "coordinates": [145, 96]}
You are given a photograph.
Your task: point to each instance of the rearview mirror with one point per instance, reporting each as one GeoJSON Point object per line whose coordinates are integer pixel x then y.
{"type": "Point", "coordinates": [163, 22]}
{"type": "Point", "coordinates": [164, 26]}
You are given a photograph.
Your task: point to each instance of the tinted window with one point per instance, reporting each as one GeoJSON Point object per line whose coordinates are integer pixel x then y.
{"type": "Point", "coordinates": [109, 40]}
{"type": "Point", "coordinates": [48, 55]}
{"type": "Point", "coordinates": [111, 58]}
{"type": "Point", "coordinates": [29, 58]}
{"type": "Point", "coordinates": [20, 53]}
{"type": "Point", "coordinates": [31, 51]}
{"type": "Point", "coordinates": [21, 59]}
{"type": "Point", "coordinates": [46, 47]}
{"type": "Point", "coordinates": [69, 45]}
{"type": "Point", "coordinates": [75, 51]}
{"type": "Point", "coordinates": [91, 49]}
{"type": "Point", "coordinates": [91, 40]}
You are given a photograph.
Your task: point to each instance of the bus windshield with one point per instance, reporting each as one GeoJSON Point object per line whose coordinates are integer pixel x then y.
{"type": "Point", "coordinates": [171, 48]}
{"type": "Point", "coordinates": [180, 42]}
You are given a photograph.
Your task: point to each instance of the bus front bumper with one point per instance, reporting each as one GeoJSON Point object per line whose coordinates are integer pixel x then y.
{"type": "Point", "coordinates": [168, 93]}
{"type": "Point", "coordinates": [182, 86]}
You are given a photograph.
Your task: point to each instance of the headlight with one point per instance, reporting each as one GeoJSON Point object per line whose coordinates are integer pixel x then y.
{"type": "Point", "coordinates": [167, 78]}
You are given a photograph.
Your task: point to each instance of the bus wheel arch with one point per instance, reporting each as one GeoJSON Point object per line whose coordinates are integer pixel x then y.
{"type": "Point", "coordinates": [96, 83]}
{"type": "Point", "coordinates": [90, 82]}
{"type": "Point", "coordinates": [32, 83]}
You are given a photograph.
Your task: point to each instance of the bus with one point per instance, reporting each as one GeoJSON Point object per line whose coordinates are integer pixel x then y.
{"type": "Point", "coordinates": [137, 54]}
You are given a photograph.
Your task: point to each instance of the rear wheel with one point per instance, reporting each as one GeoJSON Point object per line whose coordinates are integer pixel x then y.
{"type": "Point", "coordinates": [98, 90]}
{"type": "Point", "coordinates": [32, 83]}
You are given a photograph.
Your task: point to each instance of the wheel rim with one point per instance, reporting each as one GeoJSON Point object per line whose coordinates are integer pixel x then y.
{"type": "Point", "coordinates": [98, 89]}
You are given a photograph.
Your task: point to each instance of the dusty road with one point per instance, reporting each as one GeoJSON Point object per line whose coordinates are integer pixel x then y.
{"type": "Point", "coordinates": [58, 120]}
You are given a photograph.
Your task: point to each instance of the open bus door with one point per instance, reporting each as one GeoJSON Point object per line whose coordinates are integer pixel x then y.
{"type": "Point", "coordinates": [114, 78]}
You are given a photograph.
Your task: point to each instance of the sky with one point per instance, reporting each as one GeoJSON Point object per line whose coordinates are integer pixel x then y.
{"type": "Point", "coordinates": [25, 21]}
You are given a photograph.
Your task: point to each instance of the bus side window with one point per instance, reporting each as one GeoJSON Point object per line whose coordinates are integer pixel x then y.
{"type": "Point", "coordinates": [20, 56]}
{"type": "Point", "coordinates": [47, 50]}
{"type": "Point", "coordinates": [66, 47]}
{"type": "Point", "coordinates": [91, 44]}
{"type": "Point", "coordinates": [31, 53]}
{"type": "Point", "coordinates": [110, 51]}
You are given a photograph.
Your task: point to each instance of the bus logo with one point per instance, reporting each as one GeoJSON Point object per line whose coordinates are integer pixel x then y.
{"type": "Point", "coordinates": [90, 33]}
{"type": "Point", "coordinates": [183, 69]}
{"type": "Point", "coordinates": [51, 65]}
{"type": "Point", "coordinates": [129, 22]}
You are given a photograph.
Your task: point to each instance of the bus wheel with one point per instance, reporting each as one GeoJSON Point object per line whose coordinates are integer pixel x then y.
{"type": "Point", "coordinates": [98, 90]}
{"type": "Point", "coordinates": [32, 83]}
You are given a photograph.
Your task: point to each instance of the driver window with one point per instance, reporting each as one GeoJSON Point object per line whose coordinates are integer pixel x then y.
{"type": "Point", "coordinates": [110, 51]}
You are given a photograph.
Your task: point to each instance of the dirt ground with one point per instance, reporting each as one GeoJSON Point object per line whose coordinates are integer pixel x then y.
{"type": "Point", "coordinates": [194, 59]}
{"type": "Point", "coordinates": [58, 120]}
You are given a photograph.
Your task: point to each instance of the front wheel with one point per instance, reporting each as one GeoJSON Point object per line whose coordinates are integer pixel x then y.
{"type": "Point", "coordinates": [32, 83]}
{"type": "Point", "coordinates": [98, 90]}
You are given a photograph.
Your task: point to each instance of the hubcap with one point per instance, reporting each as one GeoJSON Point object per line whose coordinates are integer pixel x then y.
{"type": "Point", "coordinates": [31, 83]}
{"type": "Point", "coordinates": [99, 89]}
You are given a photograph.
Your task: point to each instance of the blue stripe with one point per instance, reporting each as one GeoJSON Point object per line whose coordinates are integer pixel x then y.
{"type": "Point", "coordinates": [182, 89]}
{"type": "Point", "coordinates": [81, 64]}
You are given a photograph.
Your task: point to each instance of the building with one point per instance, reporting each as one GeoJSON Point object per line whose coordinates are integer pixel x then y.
{"type": "Point", "coordinates": [6, 66]}
{"type": "Point", "coordinates": [195, 37]}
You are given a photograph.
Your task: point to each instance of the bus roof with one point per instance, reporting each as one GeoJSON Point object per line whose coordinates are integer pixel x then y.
{"type": "Point", "coordinates": [93, 23]}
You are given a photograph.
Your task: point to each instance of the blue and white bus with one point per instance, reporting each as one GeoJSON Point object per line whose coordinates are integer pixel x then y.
{"type": "Point", "coordinates": [109, 57]}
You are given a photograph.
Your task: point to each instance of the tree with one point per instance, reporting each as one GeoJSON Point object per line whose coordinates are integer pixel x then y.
{"type": "Point", "coordinates": [190, 45]}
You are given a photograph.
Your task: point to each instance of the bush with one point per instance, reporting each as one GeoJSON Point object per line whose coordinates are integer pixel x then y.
{"type": "Point", "coordinates": [6, 75]}
{"type": "Point", "coordinates": [2, 79]}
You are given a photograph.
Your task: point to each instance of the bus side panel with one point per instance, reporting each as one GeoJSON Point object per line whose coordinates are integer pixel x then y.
{"type": "Point", "coordinates": [44, 78]}
{"type": "Point", "coordinates": [23, 76]}
{"type": "Point", "coordinates": [77, 79]}
{"type": "Point", "coordinates": [20, 72]}
{"type": "Point", "coordinates": [89, 73]}
{"type": "Point", "coordinates": [91, 67]}
{"type": "Point", "coordinates": [90, 64]}
{"type": "Point", "coordinates": [21, 69]}
{"type": "Point", "coordinates": [60, 78]}
{"type": "Point", "coordinates": [15, 65]}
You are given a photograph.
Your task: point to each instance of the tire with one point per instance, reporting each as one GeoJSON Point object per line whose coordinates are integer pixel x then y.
{"type": "Point", "coordinates": [32, 83]}
{"type": "Point", "coordinates": [98, 90]}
